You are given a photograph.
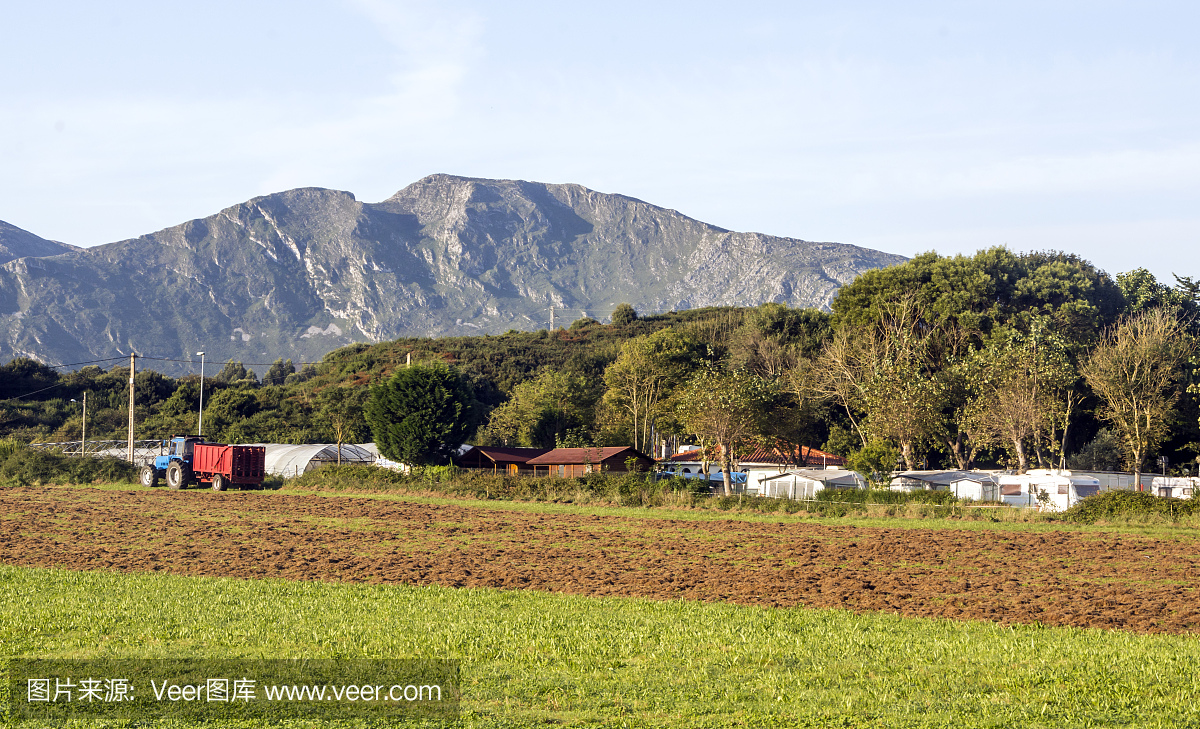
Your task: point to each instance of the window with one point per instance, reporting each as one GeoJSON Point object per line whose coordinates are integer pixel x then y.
{"type": "Point", "coordinates": [1086, 491]}
{"type": "Point", "coordinates": [1010, 489]}
{"type": "Point", "coordinates": [1063, 489]}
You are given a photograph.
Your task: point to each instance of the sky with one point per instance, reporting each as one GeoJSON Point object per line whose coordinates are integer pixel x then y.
{"type": "Point", "coordinates": [905, 127]}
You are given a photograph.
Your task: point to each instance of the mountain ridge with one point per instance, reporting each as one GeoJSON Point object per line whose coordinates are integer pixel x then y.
{"type": "Point", "coordinates": [18, 243]}
{"type": "Point", "coordinates": [300, 272]}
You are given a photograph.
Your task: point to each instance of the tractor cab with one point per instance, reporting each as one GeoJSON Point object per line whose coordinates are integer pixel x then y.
{"type": "Point", "coordinates": [176, 448]}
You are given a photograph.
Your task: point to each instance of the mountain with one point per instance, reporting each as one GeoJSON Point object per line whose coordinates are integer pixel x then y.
{"type": "Point", "coordinates": [298, 273]}
{"type": "Point", "coordinates": [17, 243]}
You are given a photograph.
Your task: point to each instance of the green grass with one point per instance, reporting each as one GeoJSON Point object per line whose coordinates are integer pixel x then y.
{"type": "Point", "coordinates": [533, 658]}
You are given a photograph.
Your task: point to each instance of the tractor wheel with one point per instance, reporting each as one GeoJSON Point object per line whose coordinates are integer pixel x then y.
{"type": "Point", "coordinates": [148, 476]}
{"type": "Point", "coordinates": [218, 482]}
{"type": "Point", "coordinates": [177, 475]}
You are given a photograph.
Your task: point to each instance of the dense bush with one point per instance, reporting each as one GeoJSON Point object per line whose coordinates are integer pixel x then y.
{"type": "Point", "coordinates": [886, 496]}
{"type": "Point", "coordinates": [1122, 505]}
{"type": "Point", "coordinates": [626, 489]}
{"type": "Point", "coordinates": [350, 477]}
{"type": "Point", "coordinates": [30, 466]}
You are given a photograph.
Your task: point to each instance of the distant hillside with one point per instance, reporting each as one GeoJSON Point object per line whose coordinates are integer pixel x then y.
{"type": "Point", "coordinates": [298, 273]}
{"type": "Point", "coordinates": [17, 243]}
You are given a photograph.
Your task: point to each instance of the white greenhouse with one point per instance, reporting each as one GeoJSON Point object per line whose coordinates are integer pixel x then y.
{"type": "Point", "coordinates": [284, 459]}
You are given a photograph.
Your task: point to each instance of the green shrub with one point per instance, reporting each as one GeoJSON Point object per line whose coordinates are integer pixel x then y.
{"type": "Point", "coordinates": [351, 477]}
{"type": "Point", "coordinates": [46, 467]}
{"type": "Point", "coordinates": [1125, 504]}
{"type": "Point", "coordinates": [886, 496]}
{"type": "Point", "coordinates": [9, 447]}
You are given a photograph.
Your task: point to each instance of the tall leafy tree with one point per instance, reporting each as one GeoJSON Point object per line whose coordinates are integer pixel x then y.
{"type": "Point", "coordinates": [727, 410]}
{"type": "Point", "coordinates": [887, 373]}
{"type": "Point", "coordinates": [1135, 370]}
{"type": "Point", "coordinates": [236, 373]}
{"type": "Point", "coordinates": [341, 414]}
{"type": "Point", "coordinates": [1023, 393]}
{"type": "Point", "coordinates": [645, 374]}
{"type": "Point", "coordinates": [278, 373]}
{"type": "Point", "coordinates": [624, 315]}
{"type": "Point", "coordinates": [541, 411]}
{"type": "Point", "coordinates": [421, 415]}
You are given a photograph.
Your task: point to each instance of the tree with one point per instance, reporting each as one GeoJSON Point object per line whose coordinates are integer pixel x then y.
{"type": "Point", "coordinates": [421, 415]}
{"type": "Point", "coordinates": [234, 373]}
{"type": "Point", "coordinates": [279, 372]}
{"type": "Point", "coordinates": [1134, 370]}
{"type": "Point", "coordinates": [773, 338]}
{"type": "Point", "coordinates": [1022, 395]}
{"type": "Point", "coordinates": [727, 410]}
{"type": "Point", "coordinates": [648, 369]}
{"type": "Point", "coordinates": [341, 411]}
{"type": "Point", "coordinates": [541, 411]}
{"type": "Point", "coordinates": [1105, 452]}
{"type": "Point", "coordinates": [23, 376]}
{"type": "Point", "coordinates": [227, 408]}
{"type": "Point", "coordinates": [876, 461]}
{"type": "Point", "coordinates": [624, 315]}
{"type": "Point", "coordinates": [887, 372]}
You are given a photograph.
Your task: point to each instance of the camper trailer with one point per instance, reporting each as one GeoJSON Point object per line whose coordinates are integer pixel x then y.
{"type": "Point", "coordinates": [1046, 489]}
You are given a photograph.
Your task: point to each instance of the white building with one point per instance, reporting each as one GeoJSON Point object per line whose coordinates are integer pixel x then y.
{"type": "Point", "coordinates": [1046, 489]}
{"type": "Point", "coordinates": [802, 483]}
{"type": "Point", "coordinates": [974, 485]}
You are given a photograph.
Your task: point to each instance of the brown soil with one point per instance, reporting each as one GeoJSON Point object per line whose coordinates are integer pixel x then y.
{"type": "Point", "coordinates": [1087, 579]}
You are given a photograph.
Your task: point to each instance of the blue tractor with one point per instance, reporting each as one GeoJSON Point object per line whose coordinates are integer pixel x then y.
{"type": "Point", "coordinates": [186, 459]}
{"type": "Point", "coordinates": [174, 460]}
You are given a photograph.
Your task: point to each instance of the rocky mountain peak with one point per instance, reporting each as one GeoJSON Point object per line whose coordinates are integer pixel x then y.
{"type": "Point", "coordinates": [297, 273]}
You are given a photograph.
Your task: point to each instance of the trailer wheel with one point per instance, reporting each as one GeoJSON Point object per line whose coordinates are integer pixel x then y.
{"type": "Point", "coordinates": [148, 476]}
{"type": "Point", "coordinates": [218, 482]}
{"type": "Point", "coordinates": [177, 476]}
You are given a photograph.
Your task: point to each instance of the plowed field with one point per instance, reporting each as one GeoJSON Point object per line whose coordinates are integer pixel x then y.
{"type": "Point", "coordinates": [1087, 579]}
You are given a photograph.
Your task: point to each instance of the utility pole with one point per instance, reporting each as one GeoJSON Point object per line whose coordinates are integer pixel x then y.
{"type": "Point", "coordinates": [200, 425]}
{"type": "Point", "coordinates": [132, 364]}
{"type": "Point", "coordinates": [551, 318]}
{"type": "Point", "coordinates": [83, 430]}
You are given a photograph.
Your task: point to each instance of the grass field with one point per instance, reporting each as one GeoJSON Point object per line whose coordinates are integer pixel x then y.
{"type": "Point", "coordinates": [533, 659]}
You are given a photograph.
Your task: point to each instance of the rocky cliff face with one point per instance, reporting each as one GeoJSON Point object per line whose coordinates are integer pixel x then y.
{"type": "Point", "coordinates": [298, 273]}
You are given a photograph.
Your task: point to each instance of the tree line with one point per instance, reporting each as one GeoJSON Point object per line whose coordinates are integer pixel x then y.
{"type": "Point", "coordinates": [992, 360]}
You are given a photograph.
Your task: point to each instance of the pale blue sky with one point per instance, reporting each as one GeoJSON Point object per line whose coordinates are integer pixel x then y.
{"type": "Point", "coordinates": [906, 127]}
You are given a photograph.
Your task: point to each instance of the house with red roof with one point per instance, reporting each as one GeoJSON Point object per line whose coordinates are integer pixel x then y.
{"type": "Point", "coordinates": [571, 462]}
{"type": "Point", "coordinates": [500, 459]}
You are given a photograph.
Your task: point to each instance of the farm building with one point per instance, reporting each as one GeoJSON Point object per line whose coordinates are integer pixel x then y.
{"type": "Point", "coordinates": [569, 462]}
{"type": "Point", "coordinates": [499, 460]}
{"type": "Point", "coordinates": [802, 483]}
{"type": "Point", "coordinates": [976, 485]}
{"type": "Point", "coordinates": [285, 459]}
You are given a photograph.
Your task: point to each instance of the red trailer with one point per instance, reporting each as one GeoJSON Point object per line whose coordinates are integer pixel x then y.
{"type": "Point", "coordinates": [229, 464]}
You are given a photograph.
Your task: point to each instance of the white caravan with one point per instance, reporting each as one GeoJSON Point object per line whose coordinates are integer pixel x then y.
{"type": "Point", "coordinates": [1047, 489]}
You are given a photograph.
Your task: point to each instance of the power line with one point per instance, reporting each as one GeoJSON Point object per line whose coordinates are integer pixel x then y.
{"type": "Point", "coordinates": [93, 361]}
{"type": "Point", "coordinates": [244, 364]}
{"type": "Point", "coordinates": [18, 397]}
